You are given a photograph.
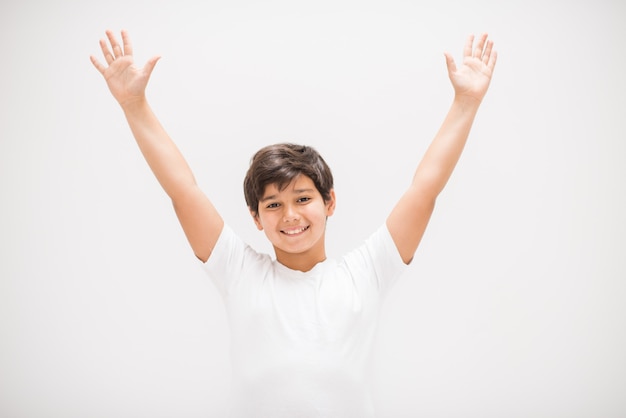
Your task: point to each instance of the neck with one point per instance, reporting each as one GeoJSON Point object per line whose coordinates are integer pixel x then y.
{"type": "Point", "coordinates": [301, 261]}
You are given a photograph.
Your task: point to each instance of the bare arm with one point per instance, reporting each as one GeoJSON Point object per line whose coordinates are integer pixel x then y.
{"type": "Point", "coordinates": [198, 217]}
{"type": "Point", "coordinates": [409, 218]}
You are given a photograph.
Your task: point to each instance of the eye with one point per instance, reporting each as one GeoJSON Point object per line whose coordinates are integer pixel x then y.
{"type": "Point", "coordinates": [303, 199]}
{"type": "Point", "coordinates": [272, 205]}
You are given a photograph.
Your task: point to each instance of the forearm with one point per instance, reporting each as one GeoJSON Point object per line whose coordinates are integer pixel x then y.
{"type": "Point", "coordinates": [444, 152]}
{"type": "Point", "coordinates": [409, 218]}
{"type": "Point", "coordinates": [164, 158]}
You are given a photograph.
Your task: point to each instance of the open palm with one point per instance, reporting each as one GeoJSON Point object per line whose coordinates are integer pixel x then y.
{"type": "Point", "coordinates": [472, 77]}
{"type": "Point", "coordinates": [126, 81]}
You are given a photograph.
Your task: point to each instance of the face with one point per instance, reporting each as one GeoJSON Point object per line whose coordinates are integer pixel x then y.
{"type": "Point", "coordinates": [294, 220]}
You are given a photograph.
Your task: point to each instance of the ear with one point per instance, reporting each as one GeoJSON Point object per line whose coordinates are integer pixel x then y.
{"type": "Point", "coordinates": [257, 221]}
{"type": "Point", "coordinates": [330, 204]}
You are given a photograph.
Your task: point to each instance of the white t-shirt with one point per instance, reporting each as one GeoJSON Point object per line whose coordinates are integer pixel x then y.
{"type": "Point", "coordinates": [300, 340]}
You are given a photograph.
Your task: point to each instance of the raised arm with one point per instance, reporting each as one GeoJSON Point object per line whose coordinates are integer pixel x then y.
{"type": "Point", "coordinates": [198, 217]}
{"type": "Point", "coordinates": [409, 218]}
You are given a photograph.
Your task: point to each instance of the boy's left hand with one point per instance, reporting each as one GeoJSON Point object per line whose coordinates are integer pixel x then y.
{"type": "Point", "coordinates": [471, 79]}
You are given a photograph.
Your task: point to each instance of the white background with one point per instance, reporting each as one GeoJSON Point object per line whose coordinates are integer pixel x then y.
{"type": "Point", "coordinates": [514, 305]}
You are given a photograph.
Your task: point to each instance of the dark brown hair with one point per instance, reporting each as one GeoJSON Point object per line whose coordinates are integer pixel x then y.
{"type": "Point", "coordinates": [280, 164]}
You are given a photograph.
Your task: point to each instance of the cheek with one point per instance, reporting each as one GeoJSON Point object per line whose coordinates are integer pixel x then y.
{"type": "Point", "coordinates": [267, 221]}
{"type": "Point", "coordinates": [319, 214]}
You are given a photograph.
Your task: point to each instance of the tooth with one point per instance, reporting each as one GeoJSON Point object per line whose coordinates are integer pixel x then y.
{"type": "Point", "coordinates": [296, 231]}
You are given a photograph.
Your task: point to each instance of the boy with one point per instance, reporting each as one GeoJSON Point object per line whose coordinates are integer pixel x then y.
{"type": "Point", "coordinates": [301, 325]}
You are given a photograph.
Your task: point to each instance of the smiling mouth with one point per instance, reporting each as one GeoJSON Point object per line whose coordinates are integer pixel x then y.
{"type": "Point", "coordinates": [295, 231]}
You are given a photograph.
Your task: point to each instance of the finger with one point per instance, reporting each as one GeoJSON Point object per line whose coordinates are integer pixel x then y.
{"type": "Point", "coordinates": [151, 64]}
{"type": "Point", "coordinates": [487, 53]}
{"type": "Point", "coordinates": [467, 51]}
{"type": "Point", "coordinates": [108, 56]}
{"type": "Point", "coordinates": [492, 60]}
{"type": "Point", "coordinates": [450, 63]}
{"type": "Point", "coordinates": [97, 64]}
{"type": "Point", "coordinates": [115, 47]}
{"type": "Point", "coordinates": [128, 47]}
{"type": "Point", "coordinates": [478, 52]}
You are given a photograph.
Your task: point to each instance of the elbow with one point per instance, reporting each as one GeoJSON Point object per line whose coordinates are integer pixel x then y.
{"type": "Point", "coordinates": [429, 182]}
{"type": "Point", "coordinates": [425, 194]}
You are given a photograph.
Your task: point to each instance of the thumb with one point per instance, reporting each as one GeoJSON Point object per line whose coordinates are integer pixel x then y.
{"type": "Point", "coordinates": [151, 64]}
{"type": "Point", "coordinates": [450, 63]}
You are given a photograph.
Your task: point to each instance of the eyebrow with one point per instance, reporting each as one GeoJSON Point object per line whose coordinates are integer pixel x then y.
{"type": "Point", "coordinates": [297, 191]}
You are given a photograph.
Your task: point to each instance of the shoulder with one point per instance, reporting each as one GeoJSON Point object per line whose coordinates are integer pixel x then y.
{"type": "Point", "coordinates": [376, 258]}
{"type": "Point", "coordinates": [379, 244]}
{"type": "Point", "coordinates": [231, 257]}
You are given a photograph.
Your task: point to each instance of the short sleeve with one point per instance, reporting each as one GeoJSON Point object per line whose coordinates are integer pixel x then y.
{"type": "Point", "coordinates": [377, 260]}
{"type": "Point", "coordinates": [228, 261]}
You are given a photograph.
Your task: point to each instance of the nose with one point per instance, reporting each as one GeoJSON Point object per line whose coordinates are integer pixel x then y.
{"type": "Point", "coordinates": [290, 214]}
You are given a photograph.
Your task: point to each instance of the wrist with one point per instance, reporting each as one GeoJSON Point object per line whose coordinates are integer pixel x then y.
{"type": "Point", "coordinates": [466, 102]}
{"type": "Point", "coordinates": [134, 104]}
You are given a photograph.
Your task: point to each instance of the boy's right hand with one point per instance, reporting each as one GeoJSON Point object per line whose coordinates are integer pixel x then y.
{"type": "Point", "coordinates": [126, 81]}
